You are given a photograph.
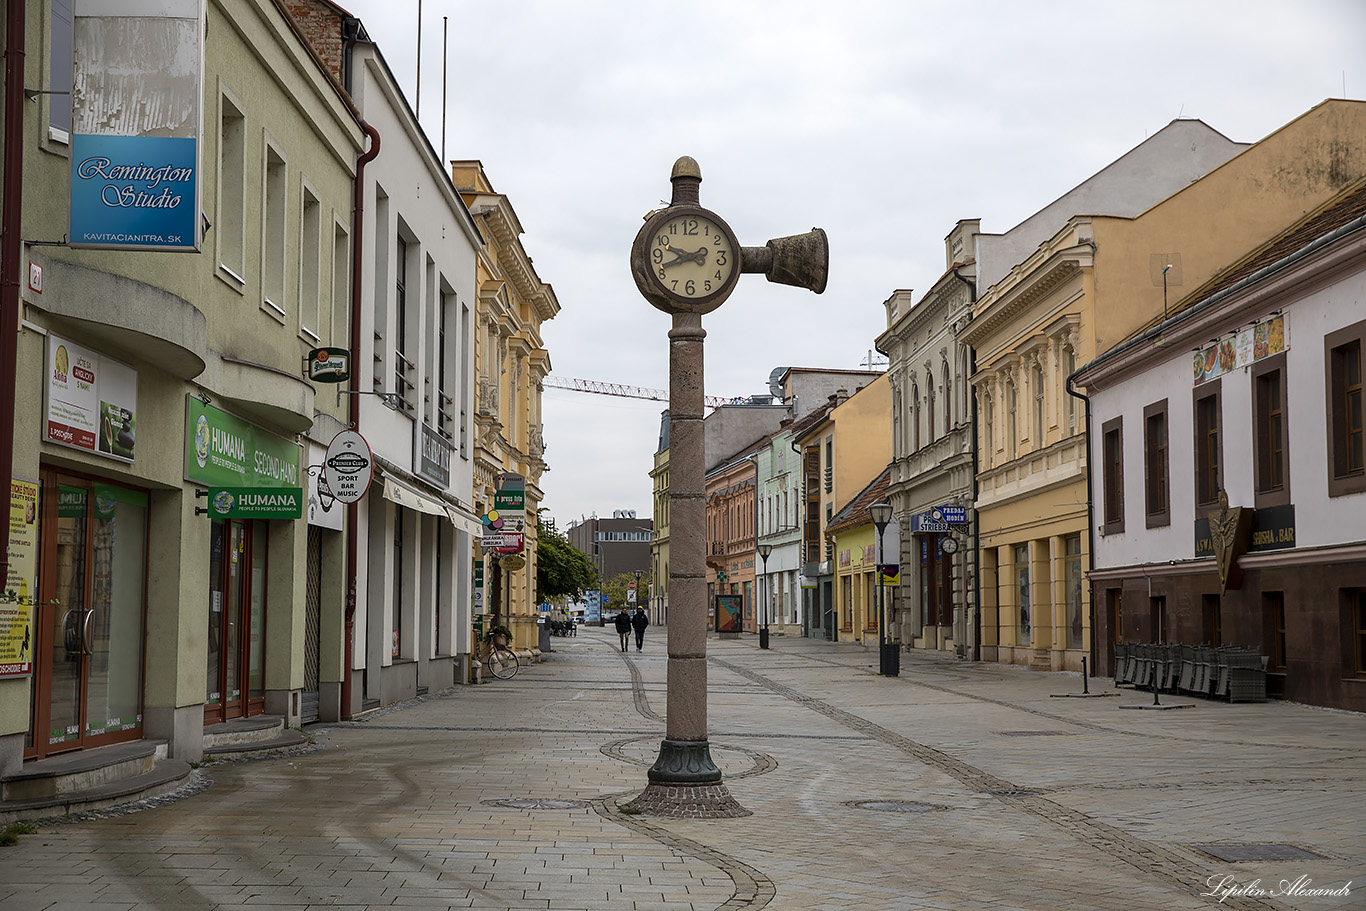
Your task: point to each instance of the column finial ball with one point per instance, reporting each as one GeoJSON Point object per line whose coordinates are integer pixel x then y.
{"type": "Point", "coordinates": [686, 166]}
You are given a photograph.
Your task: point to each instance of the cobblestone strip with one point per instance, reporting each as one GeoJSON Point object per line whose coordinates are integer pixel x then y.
{"type": "Point", "coordinates": [1176, 869]}
{"type": "Point", "coordinates": [1088, 725]}
{"type": "Point", "coordinates": [638, 691]}
{"type": "Point", "coordinates": [752, 888]}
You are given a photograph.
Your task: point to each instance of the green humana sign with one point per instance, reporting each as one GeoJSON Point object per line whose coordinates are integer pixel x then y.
{"type": "Point", "coordinates": [223, 451]}
{"type": "Point", "coordinates": [256, 502]}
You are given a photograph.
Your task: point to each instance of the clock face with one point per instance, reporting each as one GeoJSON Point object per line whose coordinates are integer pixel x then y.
{"type": "Point", "coordinates": [691, 256]}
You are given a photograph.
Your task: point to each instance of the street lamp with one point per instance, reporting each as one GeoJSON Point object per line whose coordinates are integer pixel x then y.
{"type": "Point", "coordinates": [764, 551]}
{"type": "Point", "coordinates": [637, 592]}
{"type": "Point", "coordinates": [889, 660]}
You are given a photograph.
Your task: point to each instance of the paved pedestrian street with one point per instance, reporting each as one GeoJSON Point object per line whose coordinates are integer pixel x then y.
{"type": "Point", "coordinates": [954, 786]}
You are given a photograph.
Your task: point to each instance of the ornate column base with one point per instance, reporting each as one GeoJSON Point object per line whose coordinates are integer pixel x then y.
{"type": "Point", "coordinates": [684, 762]}
{"type": "Point", "coordinates": [687, 801]}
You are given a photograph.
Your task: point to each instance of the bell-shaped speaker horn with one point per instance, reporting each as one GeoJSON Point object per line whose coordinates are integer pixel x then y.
{"type": "Point", "coordinates": [802, 260]}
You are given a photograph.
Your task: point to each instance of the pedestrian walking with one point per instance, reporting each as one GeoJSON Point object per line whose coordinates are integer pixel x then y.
{"type": "Point", "coordinates": [624, 628]}
{"type": "Point", "coordinates": [638, 623]}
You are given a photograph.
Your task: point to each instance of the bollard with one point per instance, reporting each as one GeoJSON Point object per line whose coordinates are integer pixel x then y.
{"type": "Point", "coordinates": [1155, 702]}
{"type": "Point", "coordinates": [1085, 690]}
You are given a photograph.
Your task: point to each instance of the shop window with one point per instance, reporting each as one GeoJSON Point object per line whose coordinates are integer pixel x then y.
{"type": "Point", "coordinates": [398, 645]}
{"type": "Point", "coordinates": [1270, 446]}
{"type": "Point", "coordinates": [1022, 592]}
{"type": "Point", "coordinates": [1355, 605]}
{"type": "Point", "coordinates": [1211, 620]}
{"type": "Point", "coordinates": [1209, 477]}
{"type": "Point", "coordinates": [1075, 595]}
{"type": "Point", "coordinates": [1157, 496]}
{"type": "Point", "coordinates": [1273, 625]}
{"type": "Point", "coordinates": [1346, 445]}
{"type": "Point", "coordinates": [1112, 474]}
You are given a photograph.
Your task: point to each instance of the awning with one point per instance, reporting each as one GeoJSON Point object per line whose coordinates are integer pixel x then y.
{"type": "Point", "coordinates": [410, 498]}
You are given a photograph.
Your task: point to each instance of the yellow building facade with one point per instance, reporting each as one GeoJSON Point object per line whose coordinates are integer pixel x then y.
{"type": "Point", "coordinates": [659, 547]}
{"type": "Point", "coordinates": [510, 362]}
{"type": "Point", "coordinates": [1093, 283]}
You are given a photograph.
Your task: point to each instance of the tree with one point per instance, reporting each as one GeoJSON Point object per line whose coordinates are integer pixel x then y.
{"type": "Point", "coordinates": [615, 589]}
{"type": "Point", "coordinates": [562, 570]}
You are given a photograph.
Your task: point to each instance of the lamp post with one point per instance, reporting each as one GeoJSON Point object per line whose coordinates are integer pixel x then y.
{"type": "Point", "coordinates": [636, 601]}
{"type": "Point", "coordinates": [764, 551]}
{"type": "Point", "coordinates": [888, 664]}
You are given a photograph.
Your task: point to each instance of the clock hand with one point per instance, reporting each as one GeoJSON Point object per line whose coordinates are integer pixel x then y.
{"type": "Point", "coordinates": [684, 256]}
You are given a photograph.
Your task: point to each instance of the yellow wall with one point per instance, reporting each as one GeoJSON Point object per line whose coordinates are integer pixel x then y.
{"type": "Point", "coordinates": [863, 439]}
{"type": "Point", "coordinates": [857, 621]}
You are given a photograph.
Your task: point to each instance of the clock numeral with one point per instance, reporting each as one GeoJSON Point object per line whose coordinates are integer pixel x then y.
{"type": "Point", "coordinates": [707, 285]}
{"type": "Point", "coordinates": [690, 288]}
{"type": "Point", "coordinates": [661, 272]}
{"type": "Point", "coordinates": [658, 255]}
{"type": "Point", "coordinates": [716, 239]}
{"type": "Point", "coordinates": [718, 275]}
{"type": "Point", "coordinates": [720, 257]}
{"type": "Point", "coordinates": [689, 226]}
{"type": "Point", "coordinates": [663, 240]}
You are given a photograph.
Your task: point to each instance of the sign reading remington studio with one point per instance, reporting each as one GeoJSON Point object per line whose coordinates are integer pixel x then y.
{"type": "Point", "coordinates": [225, 451]}
{"type": "Point", "coordinates": [136, 119]}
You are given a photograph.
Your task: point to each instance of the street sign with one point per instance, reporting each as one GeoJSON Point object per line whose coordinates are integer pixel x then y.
{"type": "Point", "coordinates": [949, 514]}
{"type": "Point", "coordinates": [349, 466]}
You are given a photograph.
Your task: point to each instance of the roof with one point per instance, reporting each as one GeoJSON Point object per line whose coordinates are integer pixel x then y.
{"type": "Point", "coordinates": [857, 512]}
{"type": "Point", "coordinates": [1348, 205]}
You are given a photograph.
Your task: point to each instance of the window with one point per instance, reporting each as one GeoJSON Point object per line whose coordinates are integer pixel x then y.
{"type": "Point", "coordinates": [1069, 366]}
{"type": "Point", "coordinates": [1356, 606]}
{"type": "Point", "coordinates": [382, 264]}
{"type": "Point", "coordinates": [1075, 578]}
{"type": "Point", "coordinates": [1157, 496]}
{"type": "Point", "coordinates": [1112, 471]}
{"type": "Point", "coordinates": [341, 282]}
{"type": "Point", "coordinates": [465, 380]}
{"type": "Point", "coordinates": [988, 431]}
{"type": "Point", "coordinates": [1347, 448]}
{"type": "Point", "coordinates": [1209, 476]}
{"type": "Point", "coordinates": [310, 267]}
{"type": "Point", "coordinates": [1022, 590]}
{"type": "Point", "coordinates": [1273, 626]}
{"type": "Point", "coordinates": [273, 234]}
{"type": "Point", "coordinates": [1269, 444]}
{"type": "Point", "coordinates": [915, 417]}
{"type": "Point", "coordinates": [1038, 407]}
{"type": "Point", "coordinates": [948, 400]}
{"type": "Point", "coordinates": [1011, 438]}
{"type": "Point", "coordinates": [403, 367]}
{"type": "Point", "coordinates": [445, 364]}
{"type": "Point", "coordinates": [1157, 619]}
{"type": "Point", "coordinates": [230, 220]}
{"type": "Point", "coordinates": [929, 405]}
{"type": "Point", "coordinates": [59, 68]}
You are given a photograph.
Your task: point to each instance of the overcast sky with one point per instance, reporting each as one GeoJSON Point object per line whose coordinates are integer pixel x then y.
{"type": "Point", "coordinates": [882, 121]}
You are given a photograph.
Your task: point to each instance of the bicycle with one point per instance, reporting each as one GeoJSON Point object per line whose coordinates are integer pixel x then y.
{"type": "Point", "coordinates": [500, 660]}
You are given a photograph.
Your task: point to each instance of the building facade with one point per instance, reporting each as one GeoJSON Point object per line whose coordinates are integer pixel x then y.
{"type": "Point", "coordinates": [731, 555]}
{"type": "Point", "coordinates": [158, 621]}
{"type": "Point", "coordinates": [417, 528]}
{"type": "Point", "coordinates": [510, 363]}
{"type": "Point", "coordinates": [659, 547]}
{"type": "Point", "coordinates": [934, 454]}
{"type": "Point", "coordinates": [1254, 535]}
{"type": "Point", "coordinates": [860, 606]}
{"type": "Point", "coordinates": [1051, 312]}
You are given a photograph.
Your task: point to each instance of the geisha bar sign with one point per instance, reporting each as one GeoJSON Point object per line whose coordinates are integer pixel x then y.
{"type": "Point", "coordinates": [1246, 346]}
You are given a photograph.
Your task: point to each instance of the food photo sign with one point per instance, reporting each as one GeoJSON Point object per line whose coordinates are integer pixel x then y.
{"type": "Point", "coordinates": [1244, 347]}
{"type": "Point", "coordinates": [92, 401]}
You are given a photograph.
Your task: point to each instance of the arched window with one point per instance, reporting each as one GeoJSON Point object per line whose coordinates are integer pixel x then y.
{"type": "Point", "coordinates": [929, 403]}
{"type": "Point", "coordinates": [1038, 407]}
{"type": "Point", "coordinates": [1012, 434]}
{"type": "Point", "coordinates": [948, 400]}
{"type": "Point", "coordinates": [915, 417]}
{"type": "Point", "coordinates": [988, 428]}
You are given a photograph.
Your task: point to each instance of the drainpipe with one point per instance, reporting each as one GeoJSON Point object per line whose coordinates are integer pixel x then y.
{"type": "Point", "coordinates": [352, 509]}
{"type": "Point", "coordinates": [13, 182]}
{"type": "Point", "coordinates": [976, 527]}
{"type": "Point", "coordinates": [1090, 516]}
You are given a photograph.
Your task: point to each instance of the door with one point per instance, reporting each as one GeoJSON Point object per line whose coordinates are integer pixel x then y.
{"type": "Point", "coordinates": [92, 579]}
{"type": "Point", "coordinates": [235, 670]}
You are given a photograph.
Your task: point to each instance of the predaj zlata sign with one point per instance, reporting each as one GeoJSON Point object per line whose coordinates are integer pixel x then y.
{"type": "Point", "coordinates": [136, 119]}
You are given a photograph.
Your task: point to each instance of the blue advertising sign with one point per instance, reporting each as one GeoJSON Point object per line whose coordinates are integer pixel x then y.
{"type": "Point", "coordinates": [134, 192]}
{"type": "Point", "coordinates": [594, 610]}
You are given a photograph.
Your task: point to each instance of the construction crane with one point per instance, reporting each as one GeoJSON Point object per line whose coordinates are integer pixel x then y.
{"type": "Point", "coordinates": [626, 392]}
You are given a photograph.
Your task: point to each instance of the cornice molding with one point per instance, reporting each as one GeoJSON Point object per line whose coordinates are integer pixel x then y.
{"type": "Point", "coordinates": [1040, 283]}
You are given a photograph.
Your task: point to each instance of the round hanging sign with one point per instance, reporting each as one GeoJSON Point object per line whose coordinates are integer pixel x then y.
{"type": "Point", "coordinates": [348, 466]}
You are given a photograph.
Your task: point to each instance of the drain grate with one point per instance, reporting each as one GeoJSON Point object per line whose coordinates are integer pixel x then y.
{"type": "Point", "coordinates": [535, 803]}
{"type": "Point", "coordinates": [1236, 853]}
{"type": "Point", "coordinates": [1014, 792]}
{"type": "Point", "coordinates": [896, 806]}
{"type": "Point", "coordinates": [1035, 733]}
